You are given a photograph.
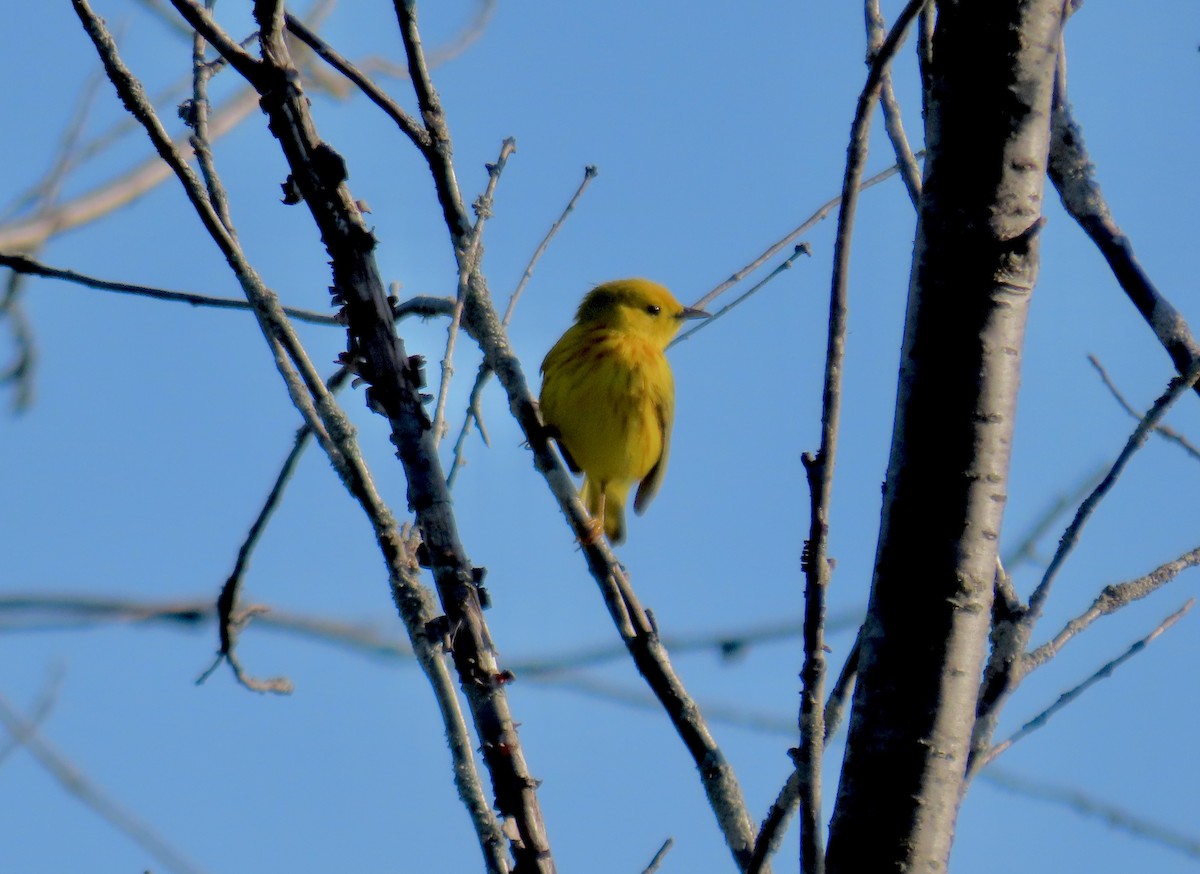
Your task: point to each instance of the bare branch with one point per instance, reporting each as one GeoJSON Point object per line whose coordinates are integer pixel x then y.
{"type": "Point", "coordinates": [1164, 431]}
{"type": "Point", "coordinates": [474, 412]}
{"type": "Point", "coordinates": [774, 825]}
{"type": "Point", "coordinates": [589, 173]}
{"type": "Point", "coordinates": [1070, 695]}
{"type": "Point", "coordinates": [893, 119]}
{"type": "Point", "coordinates": [1003, 670]}
{"type": "Point", "coordinates": [26, 234]}
{"type": "Point", "coordinates": [819, 468]}
{"type": "Point", "coordinates": [1136, 440]}
{"type": "Point", "coordinates": [38, 713]}
{"type": "Point", "coordinates": [1025, 549]}
{"type": "Point", "coordinates": [306, 388]}
{"type": "Point", "coordinates": [1073, 175]}
{"type": "Point", "coordinates": [786, 264]}
{"type": "Point", "coordinates": [409, 125]}
{"type": "Point", "coordinates": [468, 263]}
{"type": "Point", "coordinates": [1109, 601]}
{"type": "Point", "coordinates": [657, 861]}
{"type": "Point", "coordinates": [76, 783]}
{"type": "Point", "coordinates": [30, 267]}
{"type": "Point", "coordinates": [791, 236]}
{"type": "Point", "coordinates": [843, 687]}
{"type": "Point", "coordinates": [635, 626]}
{"type": "Point", "coordinates": [1086, 805]}
{"type": "Point", "coordinates": [198, 121]}
{"type": "Point", "coordinates": [20, 371]}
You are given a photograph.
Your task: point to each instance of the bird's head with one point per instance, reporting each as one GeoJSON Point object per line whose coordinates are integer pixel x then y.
{"type": "Point", "coordinates": [637, 306]}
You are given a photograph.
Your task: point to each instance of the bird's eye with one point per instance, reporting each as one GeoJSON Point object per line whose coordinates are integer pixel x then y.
{"type": "Point", "coordinates": [653, 309]}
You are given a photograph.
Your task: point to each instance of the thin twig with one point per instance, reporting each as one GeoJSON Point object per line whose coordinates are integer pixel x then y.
{"type": "Point", "coordinates": [228, 597]}
{"type": "Point", "coordinates": [26, 234]}
{"type": "Point", "coordinates": [893, 120]}
{"type": "Point", "coordinates": [657, 861]}
{"type": "Point", "coordinates": [819, 468]}
{"type": "Point", "coordinates": [21, 370]}
{"type": "Point", "coordinates": [474, 415]}
{"type": "Point", "coordinates": [1087, 805]}
{"type": "Point", "coordinates": [28, 266]}
{"type": "Point", "coordinates": [78, 784]}
{"type": "Point", "coordinates": [1165, 431]}
{"type": "Point", "coordinates": [1109, 601]}
{"type": "Point", "coordinates": [1071, 694]}
{"type": "Point", "coordinates": [774, 825]}
{"type": "Point", "coordinates": [638, 698]}
{"type": "Point", "coordinates": [43, 197]}
{"type": "Point", "coordinates": [804, 227]}
{"type": "Point", "coordinates": [843, 688]}
{"type": "Point", "coordinates": [72, 612]}
{"type": "Point", "coordinates": [1136, 440]}
{"type": "Point", "coordinates": [38, 713]}
{"type": "Point", "coordinates": [198, 121]}
{"type": "Point", "coordinates": [1003, 671]}
{"type": "Point", "coordinates": [589, 173]}
{"type": "Point", "coordinates": [786, 264]}
{"type": "Point", "coordinates": [407, 124]}
{"type": "Point", "coordinates": [468, 263]}
{"type": "Point", "coordinates": [45, 192]}
{"type": "Point", "coordinates": [1025, 549]}
{"type": "Point", "coordinates": [474, 410]}
{"type": "Point", "coordinates": [730, 644]}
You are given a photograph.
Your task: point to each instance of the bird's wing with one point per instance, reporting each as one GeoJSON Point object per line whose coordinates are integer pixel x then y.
{"type": "Point", "coordinates": [665, 409]}
{"type": "Point", "coordinates": [562, 448]}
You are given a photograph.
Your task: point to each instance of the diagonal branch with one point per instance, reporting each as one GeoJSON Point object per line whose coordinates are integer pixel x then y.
{"type": "Point", "coordinates": [78, 784]}
{"type": "Point", "coordinates": [395, 382]}
{"type": "Point", "coordinates": [1004, 668]}
{"type": "Point", "coordinates": [791, 236]}
{"type": "Point", "coordinates": [310, 396]}
{"type": "Point", "coordinates": [1165, 431]}
{"type": "Point", "coordinates": [1109, 601]}
{"type": "Point", "coordinates": [984, 759]}
{"type": "Point", "coordinates": [893, 120]}
{"type": "Point", "coordinates": [634, 624]}
{"type": "Point", "coordinates": [1074, 176]}
{"type": "Point", "coordinates": [474, 414]}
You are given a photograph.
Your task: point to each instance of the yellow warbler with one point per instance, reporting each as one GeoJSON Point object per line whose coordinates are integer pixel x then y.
{"type": "Point", "coordinates": [608, 396]}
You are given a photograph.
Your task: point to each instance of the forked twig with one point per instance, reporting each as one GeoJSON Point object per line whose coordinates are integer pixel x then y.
{"type": "Point", "coordinates": [1070, 695]}
{"type": "Point", "coordinates": [1165, 431]}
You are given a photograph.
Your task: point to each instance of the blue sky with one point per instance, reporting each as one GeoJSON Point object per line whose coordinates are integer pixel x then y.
{"type": "Point", "coordinates": [157, 430]}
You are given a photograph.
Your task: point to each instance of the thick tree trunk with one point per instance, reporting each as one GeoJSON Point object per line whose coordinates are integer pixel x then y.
{"type": "Point", "coordinates": [974, 266]}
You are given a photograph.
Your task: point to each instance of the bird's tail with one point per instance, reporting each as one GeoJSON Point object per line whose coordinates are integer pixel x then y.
{"type": "Point", "coordinates": [610, 502]}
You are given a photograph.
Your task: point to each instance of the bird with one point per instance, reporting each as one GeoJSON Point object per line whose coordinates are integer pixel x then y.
{"type": "Point", "coordinates": [608, 396]}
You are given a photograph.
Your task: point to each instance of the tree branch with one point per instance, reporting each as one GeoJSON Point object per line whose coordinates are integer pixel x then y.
{"type": "Point", "coordinates": [311, 397]}
{"type": "Point", "coordinates": [893, 119]}
{"type": "Point", "coordinates": [77, 784]}
{"type": "Point", "coordinates": [30, 267]}
{"type": "Point", "coordinates": [983, 760]}
{"type": "Point", "coordinates": [1109, 601]}
{"type": "Point", "coordinates": [635, 626]}
{"type": "Point", "coordinates": [1004, 668]}
{"type": "Point", "coordinates": [1074, 177]}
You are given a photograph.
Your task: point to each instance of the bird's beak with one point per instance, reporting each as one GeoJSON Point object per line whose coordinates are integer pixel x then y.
{"type": "Point", "coordinates": [692, 313]}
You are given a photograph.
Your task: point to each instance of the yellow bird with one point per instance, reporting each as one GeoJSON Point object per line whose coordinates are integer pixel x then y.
{"type": "Point", "coordinates": [608, 396]}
